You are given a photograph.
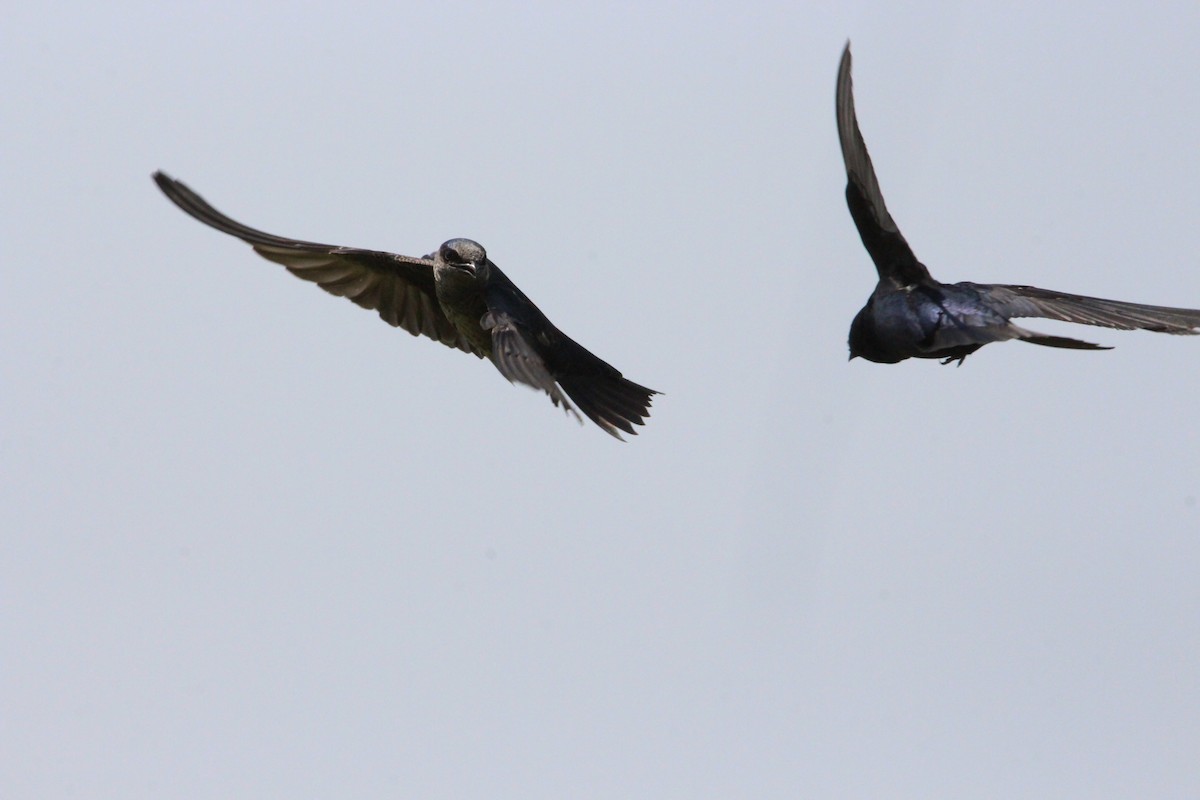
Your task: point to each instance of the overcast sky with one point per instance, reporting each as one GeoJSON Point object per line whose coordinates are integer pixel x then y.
{"type": "Point", "coordinates": [257, 543]}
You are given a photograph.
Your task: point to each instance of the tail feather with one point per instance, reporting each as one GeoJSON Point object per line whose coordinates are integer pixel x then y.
{"type": "Point", "coordinates": [1062, 341]}
{"type": "Point", "coordinates": [613, 403]}
{"type": "Point", "coordinates": [617, 397]}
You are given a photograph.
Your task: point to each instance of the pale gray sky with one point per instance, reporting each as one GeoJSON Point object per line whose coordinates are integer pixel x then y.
{"type": "Point", "coordinates": [256, 543]}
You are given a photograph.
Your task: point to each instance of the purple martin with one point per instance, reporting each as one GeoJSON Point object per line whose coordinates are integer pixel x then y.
{"type": "Point", "coordinates": [456, 296]}
{"type": "Point", "coordinates": [911, 315]}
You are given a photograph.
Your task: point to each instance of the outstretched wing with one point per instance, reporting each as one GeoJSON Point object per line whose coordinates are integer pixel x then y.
{"type": "Point", "coordinates": [893, 258]}
{"type": "Point", "coordinates": [1030, 301]}
{"type": "Point", "coordinates": [400, 288]}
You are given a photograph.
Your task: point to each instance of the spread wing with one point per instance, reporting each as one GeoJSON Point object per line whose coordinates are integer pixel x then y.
{"type": "Point", "coordinates": [893, 257]}
{"type": "Point", "coordinates": [400, 288]}
{"type": "Point", "coordinates": [1029, 301]}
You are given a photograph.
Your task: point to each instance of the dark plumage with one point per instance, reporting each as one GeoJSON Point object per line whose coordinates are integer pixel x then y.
{"type": "Point", "coordinates": [458, 297]}
{"type": "Point", "coordinates": [912, 315]}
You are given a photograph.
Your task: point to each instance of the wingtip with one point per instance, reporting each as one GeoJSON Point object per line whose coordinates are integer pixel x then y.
{"type": "Point", "coordinates": [164, 181]}
{"type": "Point", "coordinates": [845, 93]}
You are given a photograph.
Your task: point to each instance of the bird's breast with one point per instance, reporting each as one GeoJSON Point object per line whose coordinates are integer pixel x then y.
{"type": "Point", "coordinates": [462, 302]}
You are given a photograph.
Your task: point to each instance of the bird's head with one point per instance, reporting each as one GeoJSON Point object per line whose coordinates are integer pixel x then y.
{"type": "Point", "coordinates": [865, 341]}
{"type": "Point", "coordinates": [462, 255]}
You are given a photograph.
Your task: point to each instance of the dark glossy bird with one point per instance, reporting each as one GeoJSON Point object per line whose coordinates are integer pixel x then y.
{"type": "Point", "coordinates": [911, 315]}
{"type": "Point", "coordinates": [458, 297]}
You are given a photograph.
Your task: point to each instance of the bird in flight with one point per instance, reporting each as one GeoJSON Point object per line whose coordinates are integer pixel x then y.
{"type": "Point", "coordinates": [455, 296]}
{"type": "Point", "coordinates": [912, 315]}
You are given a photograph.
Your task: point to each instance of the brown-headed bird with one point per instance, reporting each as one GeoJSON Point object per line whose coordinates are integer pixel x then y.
{"type": "Point", "coordinates": [455, 296]}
